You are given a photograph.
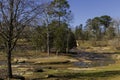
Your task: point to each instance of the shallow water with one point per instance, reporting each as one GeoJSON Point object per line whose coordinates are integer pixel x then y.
{"type": "Point", "coordinates": [95, 60]}
{"type": "Point", "coordinates": [93, 64]}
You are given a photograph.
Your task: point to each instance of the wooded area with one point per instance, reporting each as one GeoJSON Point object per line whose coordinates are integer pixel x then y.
{"type": "Point", "coordinates": [45, 27]}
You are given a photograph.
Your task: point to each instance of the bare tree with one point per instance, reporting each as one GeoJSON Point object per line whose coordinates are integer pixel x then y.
{"type": "Point", "coordinates": [47, 18]}
{"type": "Point", "coordinates": [15, 15]}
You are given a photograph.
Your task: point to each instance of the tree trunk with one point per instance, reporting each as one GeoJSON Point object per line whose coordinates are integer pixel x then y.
{"type": "Point", "coordinates": [59, 20]}
{"type": "Point", "coordinates": [118, 37]}
{"type": "Point", "coordinates": [9, 64]}
{"type": "Point", "coordinates": [48, 47]}
{"type": "Point", "coordinates": [57, 52]}
{"type": "Point", "coordinates": [67, 48]}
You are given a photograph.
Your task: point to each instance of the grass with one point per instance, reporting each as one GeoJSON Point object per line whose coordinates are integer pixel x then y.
{"type": "Point", "coordinates": [65, 74]}
{"type": "Point", "coordinates": [50, 60]}
{"type": "Point", "coordinates": [110, 72]}
{"type": "Point", "coordinates": [63, 70]}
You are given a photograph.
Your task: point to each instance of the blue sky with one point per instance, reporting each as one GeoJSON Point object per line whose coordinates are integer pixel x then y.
{"type": "Point", "coordinates": [85, 9]}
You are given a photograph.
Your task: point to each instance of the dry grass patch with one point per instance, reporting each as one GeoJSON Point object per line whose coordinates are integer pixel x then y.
{"type": "Point", "coordinates": [50, 60]}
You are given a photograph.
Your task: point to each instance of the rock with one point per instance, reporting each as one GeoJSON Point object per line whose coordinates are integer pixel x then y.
{"type": "Point", "coordinates": [1, 79]}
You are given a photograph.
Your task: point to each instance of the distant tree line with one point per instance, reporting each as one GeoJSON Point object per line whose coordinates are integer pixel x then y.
{"type": "Point", "coordinates": [98, 29]}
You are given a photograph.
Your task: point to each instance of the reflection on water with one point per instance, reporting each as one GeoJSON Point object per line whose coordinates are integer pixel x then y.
{"type": "Point", "coordinates": [93, 64]}
{"type": "Point", "coordinates": [94, 58]}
